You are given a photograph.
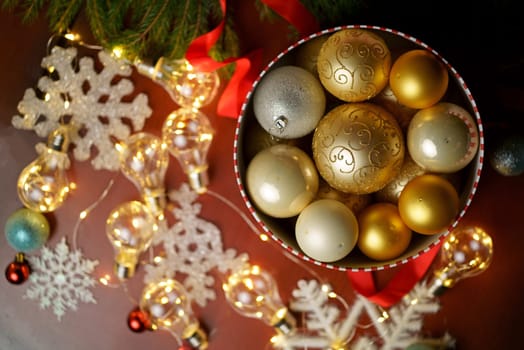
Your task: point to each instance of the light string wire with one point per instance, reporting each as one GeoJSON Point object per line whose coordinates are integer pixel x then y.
{"type": "Point", "coordinates": [84, 213]}
{"type": "Point", "coordinates": [71, 37]}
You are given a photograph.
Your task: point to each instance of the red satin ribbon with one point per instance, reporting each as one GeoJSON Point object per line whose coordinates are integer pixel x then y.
{"type": "Point", "coordinates": [402, 282]}
{"type": "Point", "coordinates": [248, 66]}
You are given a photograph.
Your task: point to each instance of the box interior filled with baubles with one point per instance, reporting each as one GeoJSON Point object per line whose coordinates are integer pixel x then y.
{"type": "Point", "coordinates": [358, 147]}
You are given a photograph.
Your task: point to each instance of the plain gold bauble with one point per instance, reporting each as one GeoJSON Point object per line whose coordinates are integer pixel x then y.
{"type": "Point", "coordinates": [428, 204]}
{"type": "Point", "coordinates": [358, 148]}
{"type": "Point", "coordinates": [282, 180]}
{"type": "Point", "coordinates": [326, 230]}
{"type": "Point", "coordinates": [354, 64]}
{"type": "Point", "coordinates": [382, 233]}
{"type": "Point", "coordinates": [418, 79]}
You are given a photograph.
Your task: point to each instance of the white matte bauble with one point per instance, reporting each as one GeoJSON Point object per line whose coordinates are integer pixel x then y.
{"type": "Point", "coordinates": [289, 102]}
{"type": "Point", "coordinates": [326, 230]}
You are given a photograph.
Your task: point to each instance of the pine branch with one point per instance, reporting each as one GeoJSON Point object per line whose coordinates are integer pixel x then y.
{"type": "Point", "coordinates": [330, 13]}
{"type": "Point", "coordinates": [117, 14]}
{"type": "Point", "coordinates": [32, 9]}
{"type": "Point", "coordinates": [62, 14]}
{"type": "Point", "coordinates": [9, 5]}
{"type": "Point", "coordinates": [183, 28]}
{"type": "Point", "coordinates": [96, 18]}
{"type": "Point", "coordinates": [265, 12]}
{"type": "Point", "coordinates": [144, 29]}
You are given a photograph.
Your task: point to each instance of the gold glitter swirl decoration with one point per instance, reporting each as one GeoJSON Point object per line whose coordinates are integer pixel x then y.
{"type": "Point", "coordinates": [354, 65]}
{"type": "Point", "coordinates": [358, 148]}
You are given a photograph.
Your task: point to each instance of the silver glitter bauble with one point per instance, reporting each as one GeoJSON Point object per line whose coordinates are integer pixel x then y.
{"type": "Point", "coordinates": [289, 102]}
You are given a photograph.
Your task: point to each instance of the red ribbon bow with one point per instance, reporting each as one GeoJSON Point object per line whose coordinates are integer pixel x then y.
{"type": "Point", "coordinates": [401, 283]}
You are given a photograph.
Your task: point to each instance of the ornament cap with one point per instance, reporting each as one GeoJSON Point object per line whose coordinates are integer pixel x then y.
{"type": "Point", "coordinates": [155, 201]}
{"type": "Point", "coordinates": [124, 272]}
{"type": "Point", "coordinates": [20, 258]}
{"type": "Point", "coordinates": [198, 180]}
{"type": "Point", "coordinates": [280, 123]}
{"type": "Point", "coordinates": [286, 324]}
{"type": "Point", "coordinates": [197, 340]}
{"type": "Point", "coordinates": [59, 139]}
{"type": "Point", "coordinates": [146, 68]}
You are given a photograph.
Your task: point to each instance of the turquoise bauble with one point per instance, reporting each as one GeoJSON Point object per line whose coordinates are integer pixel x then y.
{"type": "Point", "coordinates": [26, 230]}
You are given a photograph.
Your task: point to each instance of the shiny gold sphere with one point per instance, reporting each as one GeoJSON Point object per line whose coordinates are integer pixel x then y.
{"type": "Point", "coordinates": [358, 148]}
{"type": "Point", "coordinates": [282, 180]}
{"type": "Point", "coordinates": [354, 64]}
{"type": "Point", "coordinates": [428, 204]}
{"type": "Point", "coordinates": [382, 233]}
{"type": "Point", "coordinates": [418, 79]}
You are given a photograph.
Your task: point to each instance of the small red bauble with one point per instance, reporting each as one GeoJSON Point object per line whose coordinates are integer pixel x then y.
{"type": "Point", "coordinates": [137, 321]}
{"type": "Point", "coordinates": [18, 271]}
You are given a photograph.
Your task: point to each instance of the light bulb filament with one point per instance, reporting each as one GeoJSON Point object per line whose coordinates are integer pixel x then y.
{"type": "Point", "coordinates": [43, 184]}
{"type": "Point", "coordinates": [130, 229]}
{"type": "Point", "coordinates": [168, 307]}
{"type": "Point", "coordinates": [144, 160]}
{"type": "Point", "coordinates": [466, 252]}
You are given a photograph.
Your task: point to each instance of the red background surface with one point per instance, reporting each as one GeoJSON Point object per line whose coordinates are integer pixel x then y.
{"type": "Point", "coordinates": [484, 312]}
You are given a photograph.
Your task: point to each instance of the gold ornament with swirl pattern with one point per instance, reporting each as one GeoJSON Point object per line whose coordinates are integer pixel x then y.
{"type": "Point", "coordinates": [358, 148]}
{"type": "Point", "coordinates": [354, 64]}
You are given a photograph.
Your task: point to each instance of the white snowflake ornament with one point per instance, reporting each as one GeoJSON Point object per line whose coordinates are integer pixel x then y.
{"type": "Point", "coordinates": [328, 326]}
{"type": "Point", "coordinates": [402, 322]}
{"type": "Point", "coordinates": [193, 247]}
{"type": "Point", "coordinates": [60, 279]}
{"type": "Point", "coordinates": [90, 102]}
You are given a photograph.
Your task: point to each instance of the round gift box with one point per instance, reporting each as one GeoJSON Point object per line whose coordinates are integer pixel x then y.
{"type": "Point", "coordinates": [283, 230]}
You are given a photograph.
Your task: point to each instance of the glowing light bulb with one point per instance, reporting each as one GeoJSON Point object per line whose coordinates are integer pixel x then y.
{"type": "Point", "coordinates": [188, 135]}
{"type": "Point", "coordinates": [130, 228]}
{"type": "Point", "coordinates": [252, 292]}
{"type": "Point", "coordinates": [144, 160]}
{"type": "Point", "coordinates": [43, 185]}
{"type": "Point", "coordinates": [186, 86]}
{"type": "Point", "coordinates": [465, 253]}
{"type": "Point", "coordinates": [168, 308]}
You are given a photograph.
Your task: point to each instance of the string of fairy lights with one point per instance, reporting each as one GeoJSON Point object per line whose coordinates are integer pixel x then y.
{"type": "Point", "coordinates": [187, 135]}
